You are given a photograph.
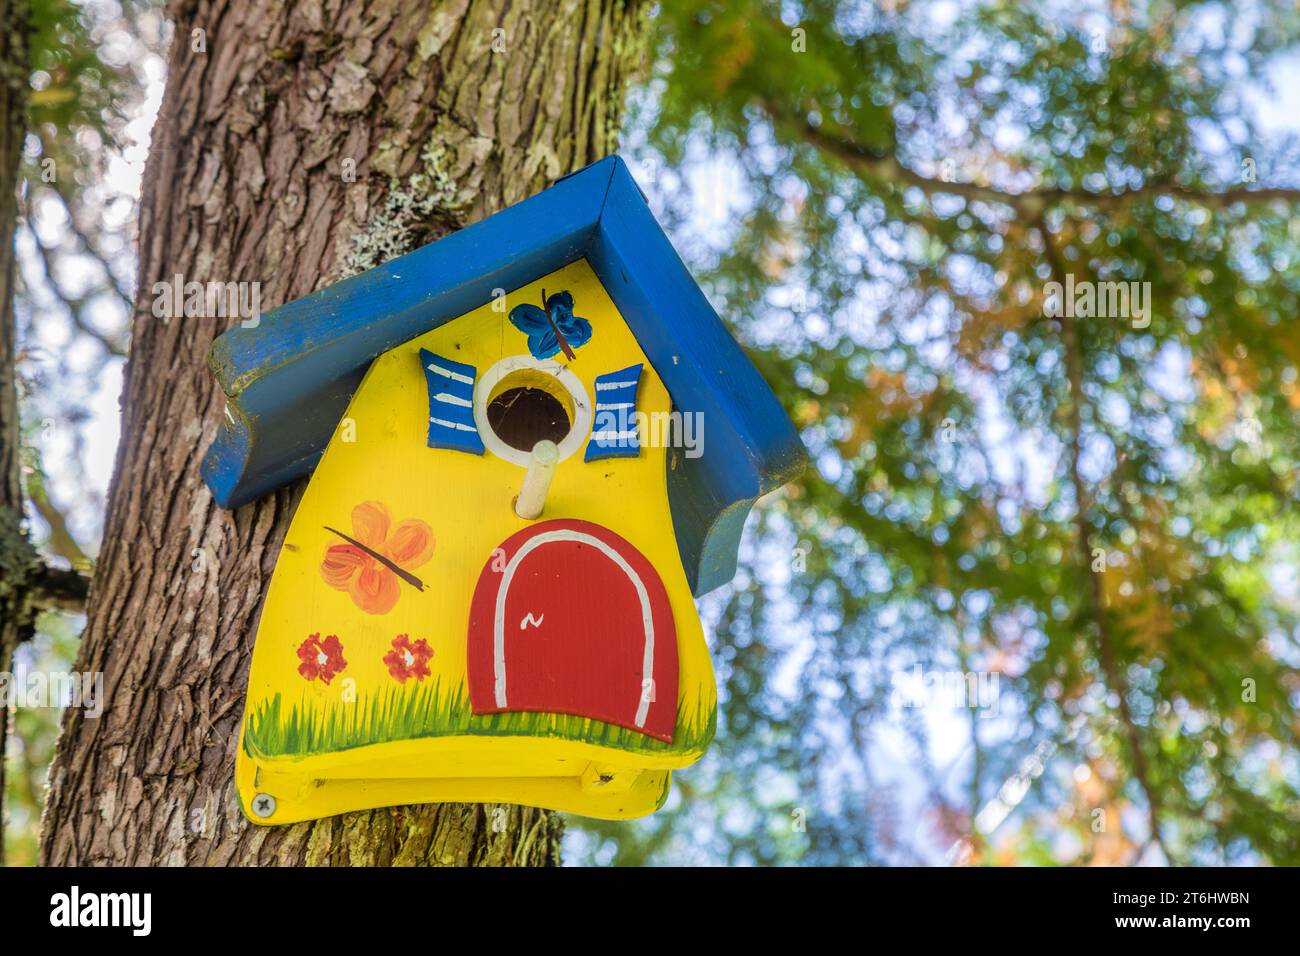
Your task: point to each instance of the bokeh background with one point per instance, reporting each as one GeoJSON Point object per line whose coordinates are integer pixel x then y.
{"type": "Point", "coordinates": [1096, 518]}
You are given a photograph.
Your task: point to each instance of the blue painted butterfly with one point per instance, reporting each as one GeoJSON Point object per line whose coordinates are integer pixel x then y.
{"type": "Point", "coordinates": [551, 329]}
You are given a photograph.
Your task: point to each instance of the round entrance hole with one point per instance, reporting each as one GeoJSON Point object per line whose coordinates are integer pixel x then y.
{"type": "Point", "coordinates": [512, 424]}
{"type": "Point", "coordinates": [523, 415]}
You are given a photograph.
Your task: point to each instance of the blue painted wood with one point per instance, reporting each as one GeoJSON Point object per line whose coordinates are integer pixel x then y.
{"type": "Point", "coordinates": [613, 428]}
{"type": "Point", "coordinates": [750, 446]}
{"type": "Point", "coordinates": [540, 325]}
{"type": "Point", "coordinates": [289, 380]}
{"type": "Point", "coordinates": [451, 403]}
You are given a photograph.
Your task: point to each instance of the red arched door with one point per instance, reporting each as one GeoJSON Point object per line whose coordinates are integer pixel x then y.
{"type": "Point", "coordinates": [569, 618]}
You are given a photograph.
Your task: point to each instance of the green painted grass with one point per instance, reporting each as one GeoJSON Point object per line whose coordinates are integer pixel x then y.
{"type": "Point", "coordinates": [398, 714]}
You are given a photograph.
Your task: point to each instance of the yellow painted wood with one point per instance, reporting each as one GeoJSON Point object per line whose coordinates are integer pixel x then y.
{"type": "Point", "coordinates": [600, 777]}
{"type": "Point", "coordinates": [367, 749]}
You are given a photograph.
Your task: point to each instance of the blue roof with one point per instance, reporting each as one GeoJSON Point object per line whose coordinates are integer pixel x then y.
{"type": "Point", "coordinates": [288, 381]}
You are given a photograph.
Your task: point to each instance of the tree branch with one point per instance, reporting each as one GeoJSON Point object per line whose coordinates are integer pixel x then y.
{"type": "Point", "coordinates": [1030, 202]}
{"type": "Point", "coordinates": [59, 589]}
{"type": "Point", "coordinates": [61, 541]}
{"type": "Point", "coordinates": [76, 305]}
{"type": "Point", "coordinates": [61, 189]}
{"type": "Point", "coordinates": [1105, 645]}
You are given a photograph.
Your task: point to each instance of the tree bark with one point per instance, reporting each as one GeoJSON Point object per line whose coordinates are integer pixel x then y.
{"type": "Point", "coordinates": [446, 112]}
{"type": "Point", "coordinates": [17, 557]}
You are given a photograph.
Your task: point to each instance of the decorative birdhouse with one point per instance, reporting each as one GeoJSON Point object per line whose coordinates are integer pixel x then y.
{"type": "Point", "coordinates": [531, 445]}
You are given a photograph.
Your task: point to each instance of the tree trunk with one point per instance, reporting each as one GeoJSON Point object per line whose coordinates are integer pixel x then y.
{"type": "Point", "coordinates": [17, 558]}
{"type": "Point", "coordinates": [446, 112]}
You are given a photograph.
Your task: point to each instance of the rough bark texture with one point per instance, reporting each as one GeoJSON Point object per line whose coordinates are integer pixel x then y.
{"type": "Point", "coordinates": [17, 558]}
{"type": "Point", "coordinates": [248, 180]}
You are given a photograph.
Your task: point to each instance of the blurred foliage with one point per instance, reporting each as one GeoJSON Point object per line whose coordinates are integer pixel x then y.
{"type": "Point", "coordinates": [72, 87]}
{"type": "Point", "coordinates": [1099, 511]}
{"type": "Point", "coordinates": [84, 58]}
{"type": "Point", "coordinates": [88, 62]}
{"type": "Point", "coordinates": [34, 731]}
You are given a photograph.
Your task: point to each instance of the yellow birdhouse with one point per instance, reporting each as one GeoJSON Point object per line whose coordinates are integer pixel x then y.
{"type": "Point", "coordinates": [530, 444]}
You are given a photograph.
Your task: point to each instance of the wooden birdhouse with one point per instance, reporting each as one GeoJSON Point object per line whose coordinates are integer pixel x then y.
{"type": "Point", "coordinates": [531, 445]}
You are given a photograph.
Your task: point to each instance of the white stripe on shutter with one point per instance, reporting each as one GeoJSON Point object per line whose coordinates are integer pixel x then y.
{"type": "Point", "coordinates": [614, 433]}
{"type": "Point", "coordinates": [451, 403]}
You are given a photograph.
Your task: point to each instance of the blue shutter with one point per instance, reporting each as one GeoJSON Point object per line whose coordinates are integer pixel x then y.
{"type": "Point", "coordinates": [613, 432]}
{"type": "Point", "coordinates": [451, 404]}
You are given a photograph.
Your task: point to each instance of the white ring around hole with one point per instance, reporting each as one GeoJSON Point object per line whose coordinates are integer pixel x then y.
{"type": "Point", "coordinates": [513, 363]}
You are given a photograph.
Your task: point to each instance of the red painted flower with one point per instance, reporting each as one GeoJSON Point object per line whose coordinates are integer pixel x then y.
{"type": "Point", "coordinates": [323, 659]}
{"type": "Point", "coordinates": [407, 659]}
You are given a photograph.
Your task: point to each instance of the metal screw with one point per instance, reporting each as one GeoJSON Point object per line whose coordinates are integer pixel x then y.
{"type": "Point", "coordinates": [263, 805]}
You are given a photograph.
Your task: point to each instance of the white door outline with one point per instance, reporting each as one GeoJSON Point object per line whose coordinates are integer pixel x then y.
{"type": "Point", "coordinates": [499, 621]}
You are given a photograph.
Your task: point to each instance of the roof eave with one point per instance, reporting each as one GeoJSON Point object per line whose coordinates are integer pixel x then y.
{"type": "Point", "coordinates": [288, 380]}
